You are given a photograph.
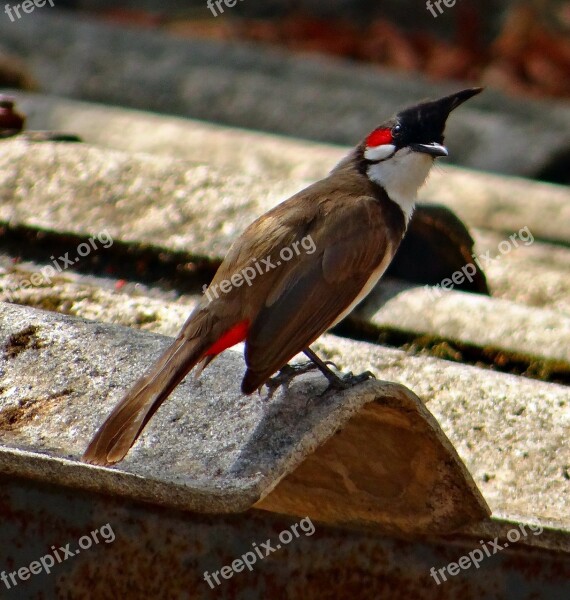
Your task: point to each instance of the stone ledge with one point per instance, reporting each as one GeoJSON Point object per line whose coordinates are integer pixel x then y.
{"type": "Point", "coordinates": [224, 452]}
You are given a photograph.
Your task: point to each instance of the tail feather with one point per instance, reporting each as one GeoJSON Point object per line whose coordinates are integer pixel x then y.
{"type": "Point", "coordinates": [122, 427]}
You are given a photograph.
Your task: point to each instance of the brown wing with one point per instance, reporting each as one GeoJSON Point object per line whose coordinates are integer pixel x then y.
{"type": "Point", "coordinates": [351, 239]}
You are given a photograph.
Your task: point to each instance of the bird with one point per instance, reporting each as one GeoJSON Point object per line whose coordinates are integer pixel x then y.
{"type": "Point", "coordinates": [315, 256]}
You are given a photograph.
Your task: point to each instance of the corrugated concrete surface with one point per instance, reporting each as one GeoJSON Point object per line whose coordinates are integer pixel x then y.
{"type": "Point", "coordinates": [509, 429]}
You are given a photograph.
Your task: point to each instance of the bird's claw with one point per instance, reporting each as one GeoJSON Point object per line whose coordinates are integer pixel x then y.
{"type": "Point", "coordinates": [287, 373]}
{"type": "Point", "coordinates": [348, 380]}
{"type": "Point", "coordinates": [340, 382]}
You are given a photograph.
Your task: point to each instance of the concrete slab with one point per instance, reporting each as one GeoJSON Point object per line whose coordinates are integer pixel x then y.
{"type": "Point", "coordinates": [177, 206]}
{"type": "Point", "coordinates": [214, 450]}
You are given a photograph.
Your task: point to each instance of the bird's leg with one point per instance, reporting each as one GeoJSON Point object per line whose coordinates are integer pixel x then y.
{"type": "Point", "coordinates": [336, 382]}
{"type": "Point", "coordinates": [289, 372]}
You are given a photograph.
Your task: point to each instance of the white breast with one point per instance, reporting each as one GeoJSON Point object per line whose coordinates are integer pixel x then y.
{"type": "Point", "coordinates": [401, 176]}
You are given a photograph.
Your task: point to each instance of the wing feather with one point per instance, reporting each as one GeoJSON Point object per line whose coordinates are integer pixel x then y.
{"type": "Point", "coordinates": [351, 242]}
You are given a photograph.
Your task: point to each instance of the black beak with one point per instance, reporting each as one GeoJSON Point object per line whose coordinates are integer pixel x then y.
{"type": "Point", "coordinates": [434, 149]}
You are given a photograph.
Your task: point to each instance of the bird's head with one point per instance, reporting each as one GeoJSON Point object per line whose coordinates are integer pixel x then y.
{"type": "Point", "coordinates": [399, 153]}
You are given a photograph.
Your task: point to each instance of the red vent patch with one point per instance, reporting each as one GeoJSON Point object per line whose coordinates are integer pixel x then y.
{"type": "Point", "coordinates": [230, 338]}
{"type": "Point", "coordinates": [379, 137]}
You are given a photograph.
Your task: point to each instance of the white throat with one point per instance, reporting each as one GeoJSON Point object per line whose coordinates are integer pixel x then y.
{"type": "Point", "coordinates": [401, 176]}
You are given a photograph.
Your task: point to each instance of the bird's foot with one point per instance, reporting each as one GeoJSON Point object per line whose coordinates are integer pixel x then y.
{"type": "Point", "coordinates": [344, 382]}
{"type": "Point", "coordinates": [287, 373]}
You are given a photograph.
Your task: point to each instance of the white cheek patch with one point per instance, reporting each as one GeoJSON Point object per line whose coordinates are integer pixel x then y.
{"type": "Point", "coordinates": [379, 152]}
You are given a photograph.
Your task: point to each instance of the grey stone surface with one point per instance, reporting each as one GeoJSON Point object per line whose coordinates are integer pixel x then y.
{"type": "Point", "coordinates": [511, 431]}
{"type": "Point", "coordinates": [89, 298]}
{"type": "Point", "coordinates": [546, 282]}
{"type": "Point", "coordinates": [505, 204]}
{"type": "Point", "coordinates": [84, 189]}
{"type": "Point", "coordinates": [34, 176]}
{"type": "Point", "coordinates": [227, 148]}
{"type": "Point", "coordinates": [471, 319]}
{"type": "Point", "coordinates": [255, 87]}
{"type": "Point", "coordinates": [145, 199]}
{"type": "Point", "coordinates": [534, 275]}
{"type": "Point", "coordinates": [223, 451]}
{"type": "Point", "coordinates": [212, 450]}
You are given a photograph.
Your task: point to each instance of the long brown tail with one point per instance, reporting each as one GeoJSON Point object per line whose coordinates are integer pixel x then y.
{"type": "Point", "coordinates": [122, 427]}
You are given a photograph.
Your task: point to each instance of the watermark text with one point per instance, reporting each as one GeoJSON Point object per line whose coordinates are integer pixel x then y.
{"type": "Point", "coordinates": [469, 270]}
{"type": "Point", "coordinates": [61, 263]}
{"type": "Point", "coordinates": [259, 552]}
{"type": "Point", "coordinates": [478, 555]}
{"type": "Point", "coordinates": [27, 6]}
{"type": "Point", "coordinates": [219, 3]}
{"type": "Point", "coordinates": [260, 267]}
{"type": "Point", "coordinates": [57, 555]}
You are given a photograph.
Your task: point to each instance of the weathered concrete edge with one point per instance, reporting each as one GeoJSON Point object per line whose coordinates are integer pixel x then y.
{"type": "Point", "coordinates": [505, 204]}
{"type": "Point", "coordinates": [541, 333]}
{"type": "Point", "coordinates": [193, 493]}
{"type": "Point", "coordinates": [68, 472]}
{"type": "Point", "coordinates": [498, 526]}
{"type": "Point", "coordinates": [75, 474]}
{"type": "Point", "coordinates": [62, 472]}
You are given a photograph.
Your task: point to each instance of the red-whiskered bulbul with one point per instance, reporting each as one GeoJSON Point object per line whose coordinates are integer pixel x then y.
{"type": "Point", "coordinates": [355, 217]}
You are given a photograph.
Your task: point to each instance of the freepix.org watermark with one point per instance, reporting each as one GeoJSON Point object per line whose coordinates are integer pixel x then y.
{"type": "Point", "coordinates": [478, 555]}
{"type": "Point", "coordinates": [27, 7]}
{"type": "Point", "coordinates": [259, 552]}
{"type": "Point", "coordinates": [47, 562]}
{"type": "Point", "coordinates": [469, 270]}
{"type": "Point", "coordinates": [436, 4]}
{"type": "Point", "coordinates": [219, 3]}
{"type": "Point", "coordinates": [60, 264]}
{"type": "Point", "coordinates": [260, 267]}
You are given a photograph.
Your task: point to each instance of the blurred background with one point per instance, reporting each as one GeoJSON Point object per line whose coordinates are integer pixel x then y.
{"type": "Point", "coordinates": [518, 47]}
{"type": "Point", "coordinates": [321, 71]}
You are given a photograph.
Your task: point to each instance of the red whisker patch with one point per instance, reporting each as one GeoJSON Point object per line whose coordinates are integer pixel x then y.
{"type": "Point", "coordinates": [379, 137]}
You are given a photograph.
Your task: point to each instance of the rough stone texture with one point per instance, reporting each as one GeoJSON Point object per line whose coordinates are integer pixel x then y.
{"type": "Point", "coordinates": [510, 431]}
{"type": "Point", "coordinates": [473, 405]}
{"type": "Point", "coordinates": [534, 275]}
{"type": "Point", "coordinates": [88, 298]}
{"type": "Point", "coordinates": [449, 314]}
{"type": "Point", "coordinates": [547, 267]}
{"type": "Point", "coordinates": [146, 199]}
{"type": "Point", "coordinates": [521, 468]}
{"type": "Point", "coordinates": [483, 200]}
{"type": "Point", "coordinates": [221, 451]}
{"type": "Point", "coordinates": [506, 204]}
{"type": "Point", "coordinates": [227, 148]}
{"type": "Point", "coordinates": [253, 87]}
{"type": "Point", "coordinates": [83, 189]}
{"type": "Point", "coordinates": [53, 185]}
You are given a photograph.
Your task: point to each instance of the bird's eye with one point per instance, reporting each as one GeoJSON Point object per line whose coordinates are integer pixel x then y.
{"type": "Point", "coordinates": [396, 130]}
